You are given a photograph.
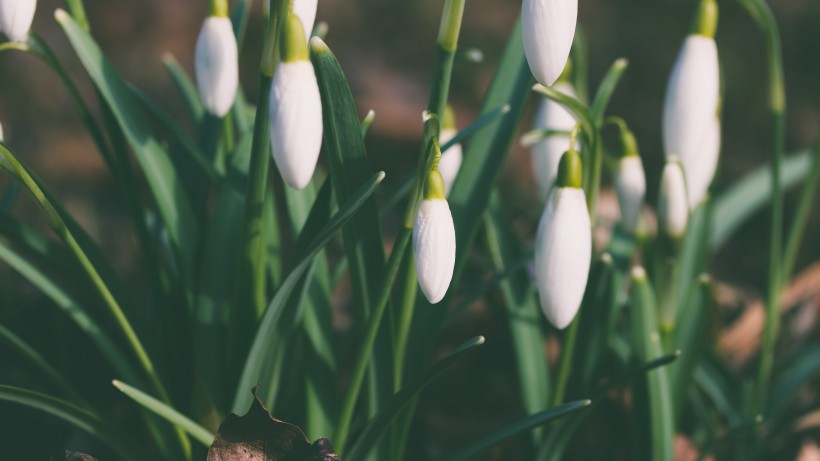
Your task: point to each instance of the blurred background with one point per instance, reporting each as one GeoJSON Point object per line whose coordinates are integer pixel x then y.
{"type": "Point", "coordinates": [386, 47]}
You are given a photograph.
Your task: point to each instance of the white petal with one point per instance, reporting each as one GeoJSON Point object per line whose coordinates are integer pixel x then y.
{"type": "Point", "coordinates": [450, 161]}
{"type": "Point", "coordinates": [691, 97]}
{"type": "Point", "coordinates": [630, 185]}
{"type": "Point", "coordinates": [217, 66]}
{"type": "Point", "coordinates": [2, 139]}
{"type": "Point", "coordinates": [434, 248]}
{"type": "Point", "coordinates": [563, 249]}
{"type": "Point", "coordinates": [295, 122]}
{"type": "Point", "coordinates": [673, 207]}
{"type": "Point", "coordinates": [16, 17]}
{"type": "Point", "coordinates": [548, 27]}
{"type": "Point", "coordinates": [547, 153]}
{"type": "Point", "coordinates": [700, 169]}
{"type": "Point", "coordinates": [306, 11]}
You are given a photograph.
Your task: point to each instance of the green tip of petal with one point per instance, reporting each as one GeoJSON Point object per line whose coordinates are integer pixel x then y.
{"type": "Point", "coordinates": [449, 121]}
{"type": "Point", "coordinates": [706, 21]}
{"type": "Point", "coordinates": [629, 145]}
{"type": "Point", "coordinates": [294, 47]}
{"type": "Point", "coordinates": [219, 8]}
{"type": "Point", "coordinates": [434, 186]}
{"type": "Point", "coordinates": [570, 170]}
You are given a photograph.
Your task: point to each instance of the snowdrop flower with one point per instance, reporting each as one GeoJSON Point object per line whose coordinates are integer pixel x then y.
{"type": "Point", "coordinates": [548, 27]}
{"type": "Point", "coordinates": [306, 11]}
{"type": "Point", "coordinates": [216, 61]}
{"type": "Point", "coordinates": [451, 160]}
{"type": "Point", "coordinates": [692, 97]}
{"type": "Point", "coordinates": [673, 207]}
{"type": "Point", "coordinates": [16, 17]}
{"type": "Point", "coordinates": [548, 152]}
{"type": "Point", "coordinates": [630, 181]}
{"type": "Point", "coordinates": [563, 245]}
{"type": "Point", "coordinates": [434, 240]}
{"type": "Point", "coordinates": [295, 109]}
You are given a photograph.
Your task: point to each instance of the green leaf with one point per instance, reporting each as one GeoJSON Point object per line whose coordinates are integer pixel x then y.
{"type": "Point", "coordinates": [259, 351]}
{"type": "Point", "coordinates": [736, 205]}
{"type": "Point", "coordinates": [163, 180]}
{"type": "Point", "coordinates": [77, 417]}
{"type": "Point", "coordinates": [524, 313]}
{"type": "Point", "coordinates": [691, 337]}
{"type": "Point", "coordinates": [169, 414]}
{"type": "Point", "coordinates": [185, 86]}
{"type": "Point", "coordinates": [21, 261]}
{"type": "Point", "coordinates": [647, 340]}
{"type": "Point", "coordinates": [791, 377]}
{"type": "Point", "coordinates": [387, 415]}
{"type": "Point", "coordinates": [524, 424]}
{"type": "Point", "coordinates": [36, 360]}
{"type": "Point", "coordinates": [607, 87]}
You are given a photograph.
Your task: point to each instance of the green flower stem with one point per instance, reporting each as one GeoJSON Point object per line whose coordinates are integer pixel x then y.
{"type": "Point", "coordinates": [565, 362]}
{"type": "Point", "coordinates": [408, 300]}
{"type": "Point", "coordinates": [445, 55]}
{"type": "Point", "coordinates": [365, 352]}
{"type": "Point", "coordinates": [798, 227]}
{"type": "Point", "coordinates": [251, 282]}
{"type": "Point", "coordinates": [760, 11]}
{"type": "Point", "coordinates": [218, 8]}
{"type": "Point", "coordinates": [77, 10]}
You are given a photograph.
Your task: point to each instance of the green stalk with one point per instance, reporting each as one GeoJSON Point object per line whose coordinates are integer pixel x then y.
{"type": "Point", "coordinates": [251, 284]}
{"type": "Point", "coordinates": [77, 10]}
{"type": "Point", "coordinates": [362, 361]}
{"type": "Point", "coordinates": [447, 44]}
{"type": "Point", "coordinates": [798, 227]}
{"type": "Point", "coordinates": [565, 362]}
{"type": "Point", "coordinates": [777, 105]}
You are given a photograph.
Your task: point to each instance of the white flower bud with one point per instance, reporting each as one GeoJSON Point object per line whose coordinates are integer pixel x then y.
{"type": "Point", "coordinates": [548, 27]}
{"type": "Point", "coordinates": [451, 160]}
{"type": "Point", "coordinates": [295, 122]}
{"type": "Point", "coordinates": [434, 248]}
{"type": "Point", "coordinates": [16, 17]}
{"type": "Point", "coordinates": [547, 153]}
{"type": "Point", "coordinates": [700, 169]}
{"type": "Point", "coordinates": [563, 249]}
{"type": "Point", "coordinates": [673, 207]}
{"type": "Point", "coordinates": [306, 11]}
{"type": "Point", "coordinates": [2, 139]}
{"type": "Point", "coordinates": [630, 185]}
{"type": "Point", "coordinates": [691, 98]}
{"type": "Point", "coordinates": [217, 65]}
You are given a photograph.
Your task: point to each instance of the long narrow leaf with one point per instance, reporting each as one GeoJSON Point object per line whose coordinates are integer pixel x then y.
{"type": "Point", "coordinates": [171, 415]}
{"type": "Point", "coordinates": [259, 350]}
{"type": "Point", "coordinates": [376, 427]}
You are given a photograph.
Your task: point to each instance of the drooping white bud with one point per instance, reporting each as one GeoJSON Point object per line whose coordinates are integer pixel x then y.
{"type": "Point", "coordinates": [434, 241]}
{"type": "Point", "coordinates": [673, 207]}
{"type": "Point", "coordinates": [295, 110]}
{"type": "Point", "coordinates": [296, 122]}
{"type": "Point", "coordinates": [700, 169]}
{"type": "Point", "coordinates": [547, 153]}
{"type": "Point", "coordinates": [563, 246]}
{"type": "Point", "coordinates": [548, 27]}
{"type": "Point", "coordinates": [16, 17]}
{"type": "Point", "coordinates": [691, 98]}
{"type": "Point", "coordinates": [630, 185]}
{"type": "Point", "coordinates": [217, 66]}
{"type": "Point", "coordinates": [306, 11]}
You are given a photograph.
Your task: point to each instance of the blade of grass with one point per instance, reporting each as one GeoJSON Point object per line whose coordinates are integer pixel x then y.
{"type": "Point", "coordinates": [259, 350]}
{"type": "Point", "coordinates": [524, 424]}
{"type": "Point", "coordinates": [648, 347]}
{"type": "Point", "coordinates": [78, 417]}
{"type": "Point", "coordinates": [801, 216]}
{"type": "Point", "coordinates": [162, 409]}
{"type": "Point", "coordinates": [522, 309]}
{"type": "Point", "coordinates": [737, 204]}
{"type": "Point", "coordinates": [606, 89]}
{"type": "Point", "coordinates": [32, 357]}
{"type": "Point", "coordinates": [185, 86]}
{"type": "Point", "coordinates": [387, 415]}
{"type": "Point", "coordinates": [168, 191]}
